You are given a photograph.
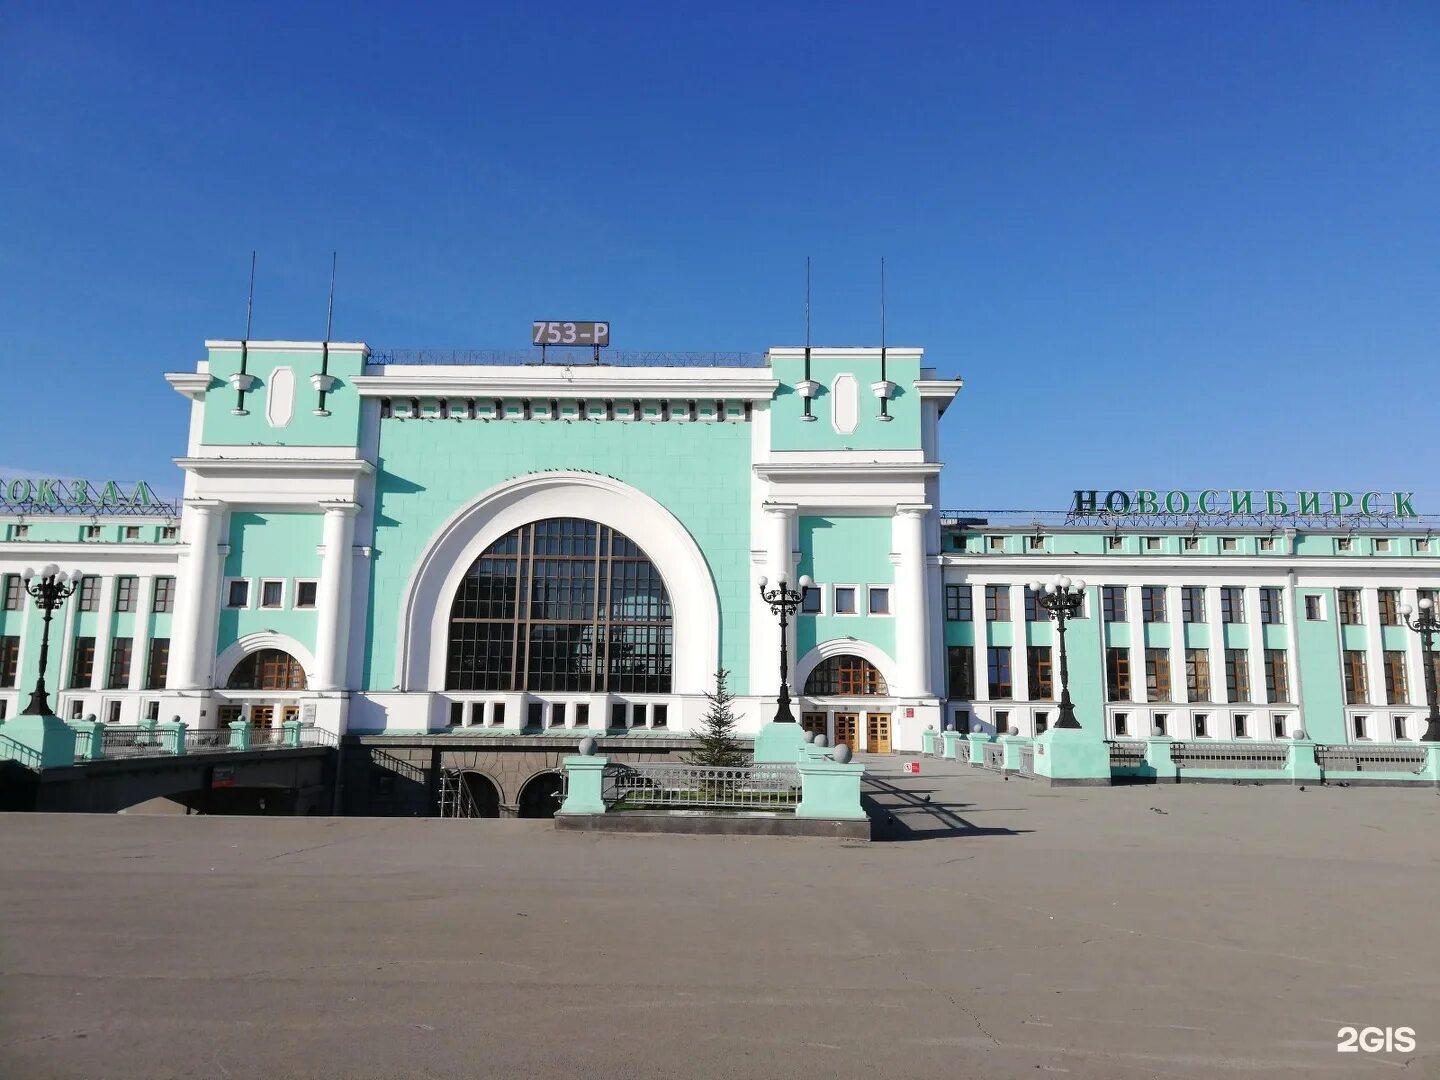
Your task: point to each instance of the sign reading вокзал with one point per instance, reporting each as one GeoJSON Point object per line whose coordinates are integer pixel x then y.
{"type": "Point", "coordinates": [1390, 504]}
{"type": "Point", "coordinates": [49, 495]}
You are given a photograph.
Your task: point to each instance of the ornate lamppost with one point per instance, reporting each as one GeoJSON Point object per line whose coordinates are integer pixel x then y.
{"type": "Point", "coordinates": [1062, 598]}
{"type": "Point", "coordinates": [1426, 623]}
{"type": "Point", "coordinates": [784, 602]}
{"type": "Point", "coordinates": [50, 588]}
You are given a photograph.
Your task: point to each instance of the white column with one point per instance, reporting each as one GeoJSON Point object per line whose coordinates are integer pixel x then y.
{"type": "Point", "coordinates": [1215, 631]}
{"type": "Point", "coordinates": [1135, 616]}
{"type": "Point", "coordinates": [1260, 722]}
{"type": "Point", "coordinates": [1020, 650]}
{"type": "Point", "coordinates": [980, 622]}
{"type": "Point", "coordinates": [911, 602]}
{"type": "Point", "coordinates": [140, 635]}
{"type": "Point", "coordinates": [104, 618]}
{"type": "Point", "coordinates": [1175, 616]}
{"type": "Point", "coordinates": [1293, 615]}
{"type": "Point", "coordinates": [1375, 662]}
{"type": "Point", "coordinates": [332, 599]}
{"type": "Point", "coordinates": [197, 598]}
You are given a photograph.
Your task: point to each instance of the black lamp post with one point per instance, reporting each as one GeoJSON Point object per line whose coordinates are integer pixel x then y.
{"type": "Point", "coordinates": [1062, 598]}
{"type": "Point", "coordinates": [1425, 623]}
{"type": "Point", "coordinates": [784, 602]}
{"type": "Point", "coordinates": [50, 588]}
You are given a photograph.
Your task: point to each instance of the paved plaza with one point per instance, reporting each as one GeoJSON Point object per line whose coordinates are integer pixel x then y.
{"type": "Point", "coordinates": [1002, 929]}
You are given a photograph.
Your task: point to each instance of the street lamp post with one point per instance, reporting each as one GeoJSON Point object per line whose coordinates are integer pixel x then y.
{"type": "Point", "coordinates": [50, 587]}
{"type": "Point", "coordinates": [784, 602]}
{"type": "Point", "coordinates": [1426, 623]}
{"type": "Point", "coordinates": [1062, 598]}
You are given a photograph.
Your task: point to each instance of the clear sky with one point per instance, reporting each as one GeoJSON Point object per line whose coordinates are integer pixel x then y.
{"type": "Point", "coordinates": [1167, 245]}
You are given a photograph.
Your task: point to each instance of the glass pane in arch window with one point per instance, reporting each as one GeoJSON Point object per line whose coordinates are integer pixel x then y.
{"type": "Point", "coordinates": [845, 676]}
{"type": "Point", "coordinates": [268, 669]}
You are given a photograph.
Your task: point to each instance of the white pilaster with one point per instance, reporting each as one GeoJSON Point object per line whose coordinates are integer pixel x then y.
{"type": "Point", "coordinates": [1260, 724]}
{"type": "Point", "coordinates": [140, 635]}
{"type": "Point", "coordinates": [980, 621]}
{"type": "Point", "coordinates": [197, 598]}
{"type": "Point", "coordinates": [911, 602]}
{"type": "Point", "coordinates": [1374, 658]}
{"type": "Point", "coordinates": [1020, 650]}
{"type": "Point", "coordinates": [1215, 624]}
{"type": "Point", "coordinates": [105, 619]}
{"type": "Point", "coordinates": [332, 596]}
{"type": "Point", "coordinates": [1175, 617]}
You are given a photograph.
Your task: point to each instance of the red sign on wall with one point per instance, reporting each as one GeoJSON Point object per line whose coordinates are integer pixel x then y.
{"type": "Point", "coordinates": [912, 767]}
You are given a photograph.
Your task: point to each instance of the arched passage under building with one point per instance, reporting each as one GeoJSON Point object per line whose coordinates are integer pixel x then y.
{"type": "Point", "coordinates": [540, 797]}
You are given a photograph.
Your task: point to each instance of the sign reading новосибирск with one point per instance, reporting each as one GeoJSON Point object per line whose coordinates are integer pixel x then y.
{"type": "Point", "coordinates": [1391, 504]}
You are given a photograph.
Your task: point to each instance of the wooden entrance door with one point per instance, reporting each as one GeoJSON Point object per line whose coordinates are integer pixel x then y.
{"type": "Point", "coordinates": [262, 716]}
{"type": "Point", "coordinates": [814, 721]}
{"type": "Point", "coordinates": [289, 712]}
{"type": "Point", "coordinates": [847, 729]}
{"type": "Point", "coordinates": [877, 726]}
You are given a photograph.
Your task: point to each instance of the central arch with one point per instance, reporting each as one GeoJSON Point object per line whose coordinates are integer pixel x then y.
{"type": "Point", "coordinates": [424, 625]}
{"type": "Point", "coordinates": [845, 647]}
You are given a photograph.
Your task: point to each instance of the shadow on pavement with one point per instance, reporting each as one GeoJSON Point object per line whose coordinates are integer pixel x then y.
{"type": "Point", "coordinates": [898, 813]}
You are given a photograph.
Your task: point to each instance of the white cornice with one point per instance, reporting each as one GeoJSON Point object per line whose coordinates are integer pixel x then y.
{"type": "Point", "coordinates": [939, 388]}
{"type": "Point", "coordinates": [845, 352]}
{"type": "Point", "coordinates": [191, 384]}
{"type": "Point", "coordinates": [289, 467]}
{"type": "Point", "coordinates": [289, 346]}
{"type": "Point", "coordinates": [846, 470]}
{"type": "Point", "coordinates": [1264, 565]}
{"type": "Point", "coordinates": [407, 381]}
{"type": "Point", "coordinates": [78, 552]}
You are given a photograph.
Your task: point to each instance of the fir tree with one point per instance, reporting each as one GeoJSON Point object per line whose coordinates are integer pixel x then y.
{"type": "Point", "coordinates": [716, 736]}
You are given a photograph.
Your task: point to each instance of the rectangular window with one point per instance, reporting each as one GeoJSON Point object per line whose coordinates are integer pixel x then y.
{"type": "Point", "coordinates": [997, 603]}
{"type": "Point", "coordinates": [89, 593]}
{"type": "Point", "coordinates": [1237, 675]}
{"type": "Point", "coordinates": [879, 600]}
{"type": "Point", "coordinates": [77, 709]}
{"type": "Point", "coordinates": [132, 532]}
{"type": "Point", "coordinates": [1277, 676]}
{"type": "Point", "coordinates": [557, 714]}
{"type": "Point", "coordinates": [958, 603]}
{"type": "Point", "coordinates": [305, 593]}
{"type": "Point", "coordinates": [114, 712]}
{"type": "Point", "coordinates": [619, 715]}
{"type": "Point", "coordinates": [1397, 728]}
{"type": "Point", "coordinates": [1117, 674]}
{"type": "Point", "coordinates": [457, 713]}
{"type": "Point", "coordinates": [1396, 690]}
{"type": "Point", "coordinates": [125, 587]}
{"type": "Point", "coordinates": [1122, 723]}
{"type": "Point", "coordinates": [1042, 723]}
{"type": "Point", "coordinates": [1232, 604]}
{"type": "Point", "coordinates": [1001, 686]}
{"type": "Point", "coordinates": [1422, 545]}
{"type": "Point", "coordinates": [1190, 543]}
{"type": "Point", "coordinates": [1241, 728]}
{"type": "Point", "coordinates": [1360, 727]}
{"type": "Point", "coordinates": [9, 659]}
{"type": "Point", "coordinates": [120, 663]}
{"type": "Point", "coordinates": [272, 594]}
{"type": "Point", "coordinates": [1314, 609]}
{"type": "Point", "coordinates": [1160, 722]}
{"type": "Point", "coordinates": [1389, 607]}
{"type": "Point", "coordinates": [1267, 543]}
{"type": "Point", "coordinates": [535, 714]}
{"type": "Point", "coordinates": [1349, 602]}
{"type": "Point", "coordinates": [21, 532]}
{"type": "Point", "coordinates": [582, 715]}
{"type": "Point", "coordinates": [660, 712]}
{"type": "Point", "coordinates": [637, 714]}
{"type": "Point", "coordinates": [1002, 723]}
{"type": "Point", "coordinates": [1114, 543]}
{"type": "Point", "coordinates": [1344, 543]}
{"type": "Point", "coordinates": [164, 598]}
{"type": "Point", "coordinates": [152, 710]}
{"type": "Point", "coordinates": [1192, 603]}
{"type": "Point", "coordinates": [169, 532]}
{"type": "Point", "coordinates": [997, 543]}
{"type": "Point", "coordinates": [1152, 603]}
{"type": "Point", "coordinates": [1157, 674]}
{"type": "Point", "coordinates": [497, 714]}
{"type": "Point", "coordinates": [1035, 543]}
{"type": "Point", "coordinates": [960, 665]}
{"type": "Point", "coordinates": [1113, 602]}
{"type": "Point", "coordinates": [159, 666]}
{"type": "Point", "coordinates": [237, 593]}
{"type": "Point", "coordinates": [844, 600]}
{"type": "Point", "coordinates": [1356, 690]}
{"type": "Point", "coordinates": [810, 602]}
{"type": "Point", "coordinates": [1041, 674]}
{"type": "Point", "coordinates": [1277, 723]}
{"type": "Point", "coordinates": [1202, 726]}
{"type": "Point", "coordinates": [1152, 543]}
{"type": "Point", "coordinates": [1197, 674]}
{"type": "Point", "coordinates": [12, 592]}
{"type": "Point", "coordinates": [1272, 606]}
{"type": "Point", "coordinates": [1227, 543]}
{"type": "Point", "coordinates": [92, 532]}
{"type": "Point", "coordinates": [82, 668]}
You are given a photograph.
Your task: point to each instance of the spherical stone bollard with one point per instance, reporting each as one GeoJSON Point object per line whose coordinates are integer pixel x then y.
{"type": "Point", "coordinates": [1013, 730]}
{"type": "Point", "coordinates": [842, 754]}
{"type": "Point", "coordinates": [90, 718]}
{"type": "Point", "coordinates": [1157, 730]}
{"type": "Point", "coordinates": [1299, 733]}
{"type": "Point", "coordinates": [809, 736]}
{"type": "Point", "coordinates": [929, 727]}
{"type": "Point", "coordinates": [949, 727]}
{"type": "Point", "coordinates": [588, 746]}
{"type": "Point", "coordinates": [821, 740]}
{"type": "Point", "coordinates": [978, 729]}
{"type": "Point", "coordinates": [175, 719]}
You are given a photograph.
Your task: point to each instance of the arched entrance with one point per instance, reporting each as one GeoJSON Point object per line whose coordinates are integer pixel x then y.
{"type": "Point", "coordinates": [466, 793]}
{"type": "Point", "coordinates": [836, 691]}
{"type": "Point", "coordinates": [269, 671]}
{"type": "Point", "coordinates": [540, 797]}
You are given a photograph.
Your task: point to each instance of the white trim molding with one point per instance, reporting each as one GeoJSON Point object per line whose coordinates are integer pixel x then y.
{"type": "Point", "coordinates": [229, 660]}
{"type": "Point", "coordinates": [846, 646]}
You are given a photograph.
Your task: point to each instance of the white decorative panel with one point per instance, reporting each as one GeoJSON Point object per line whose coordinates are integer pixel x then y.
{"type": "Point", "coordinates": [280, 397]}
{"type": "Point", "coordinates": [845, 404]}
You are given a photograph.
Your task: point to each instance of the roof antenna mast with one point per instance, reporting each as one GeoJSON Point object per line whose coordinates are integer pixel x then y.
{"type": "Point", "coordinates": [884, 377]}
{"type": "Point", "coordinates": [242, 383]}
{"type": "Point", "coordinates": [324, 382]}
{"type": "Point", "coordinates": [809, 389]}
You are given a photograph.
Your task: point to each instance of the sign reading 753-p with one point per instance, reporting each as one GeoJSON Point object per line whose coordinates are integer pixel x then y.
{"type": "Point", "coordinates": [545, 332]}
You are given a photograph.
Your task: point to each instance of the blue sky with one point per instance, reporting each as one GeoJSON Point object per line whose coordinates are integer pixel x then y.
{"type": "Point", "coordinates": [1167, 245]}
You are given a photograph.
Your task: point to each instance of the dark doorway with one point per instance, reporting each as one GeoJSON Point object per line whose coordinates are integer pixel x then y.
{"type": "Point", "coordinates": [482, 796]}
{"type": "Point", "coordinates": [540, 797]}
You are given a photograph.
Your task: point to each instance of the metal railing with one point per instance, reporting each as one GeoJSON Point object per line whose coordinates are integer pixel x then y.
{"type": "Point", "coordinates": [564, 357]}
{"type": "Point", "coordinates": [261, 738]}
{"type": "Point", "coordinates": [128, 741]}
{"type": "Point", "coordinates": [310, 735]}
{"type": "Point", "coordinates": [1354, 758]}
{"type": "Point", "coordinates": [994, 756]}
{"type": "Point", "coordinates": [1229, 755]}
{"type": "Point", "coordinates": [207, 741]}
{"type": "Point", "coordinates": [674, 786]}
{"type": "Point", "coordinates": [10, 750]}
{"type": "Point", "coordinates": [1126, 755]}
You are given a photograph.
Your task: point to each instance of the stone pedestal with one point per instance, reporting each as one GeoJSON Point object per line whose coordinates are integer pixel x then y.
{"type": "Point", "coordinates": [1301, 765]}
{"type": "Point", "coordinates": [49, 740]}
{"type": "Point", "coordinates": [89, 739]}
{"type": "Point", "coordinates": [1072, 756]}
{"type": "Point", "coordinates": [585, 780]}
{"type": "Point", "coordinates": [830, 790]}
{"type": "Point", "coordinates": [950, 745]}
{"type": "Point", "coordinates": [1158, 762]}
{"type": "Point", "coordinates": [928, 742]}
{"type": "Point", "coordinates": [779, 744]}
{"type": "Point", "coordinates": [977, 741]}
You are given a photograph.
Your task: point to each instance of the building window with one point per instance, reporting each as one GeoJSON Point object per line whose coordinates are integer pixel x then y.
{"type": "Point", "coordinates": [1202, 726]}
{"type": "Point", "coordinates": [9, 660]}
{"type": "Point", "coordinates": [1277, 724]}
{"type": "Point", "coordinates": [1314, 608]}
{"type": "Point", "coordinates": [660, 712]}
{"type": "Point", "coordinates": [14, 592]}
{"type": "Point", "coordinates": [619, 715]}
{"type": "Point", "coordinates": [1152, 603]}
{"type": "Point", "coordinates": [1360, 728]}
{"type": "Point", "coordinates": [237, 593]}
{"type": "Point", "coordinates": [582, 715]}
{"type": "Point", "coordinates": [1356, 691]}
{"type": "Point", "coordinates": [113, 715]}
{"type": "Point", "coordinates": [1157, 674]}
{"type": "Point", "coordinates": [1159, 722]}
{"type": "Point", "coordinates": [457, 713]}
{"type": "Point", "coordinates": [996, 543]}
{"type": "Point", "coordinates": [1192, 603]}
{"type": "Point", "coordinates": [535, 711]}
{"type": "Point", "coordinates": [1001, 686]}
{"type": "Point", "coordinates": [169, 532]}
{"type": "Point", "coordinates": [997, 603]}
{"type": "Point", "coordinates": [557, 711]}
{"type": "Point", "coordinates": [159, 666]}
{"type": "Point", "coordinates": [810, 603]}
{"type": "Point", "coordinates": [1113, 602]}
{"type": "Point", "coordinates": [125, 587]}
{"type": "Point", "coordinates": [1002, 723]}
{"type": "Point", "coordinates": [1232, 604]}
{"type": "Point", "coordinates": [1114, 543]}
{"type": "Point", "coordinates": [845, 676]}
{"type": "Point", "coordinates": [1117, 674]}
{"type": "Point", "coordinates": [879, 600]}
{"type": "Point", "coordinates": [845, 600]}
{"type": "Point", "coordinates": [1272, 606]}
{"type": "Point", "coordinates": [267, 669]}
{"type": "Point", "coordinates": [1227, 543]}
{"type": "Point", "coordinates": [1042, 723]}
{"type": "Point", "coordinates": [1122, 723]}
{"type": "Point", "coordinates": [1190, 543]}
{"type": "Point", "coordinates": [1349, 606]}
{"type": "Point", "coordinates": [1382, 544]}
{"type": "Point", "coordinates": [1041, 673]}
{"type": "Point", "coordinates": [132, 532]}
{"type": "Point", "coordinates": [960, 666]}
{"type": "Point", "coordinates": [21, 532]}
{"type": "Point", "coordinates": [497, 714]}
{"type": "Point", "coordinates": [562, 604]}
{"type": "Point", "coordinates": [1267, 543]}
{"type": "Point", "coordinates": [1277, 677]}
{"type": "Point", "coordinates": [1344, 543]}
{"type": "Point", "coordinates": [1197, 674]}
{"type": "Point", "coordinates": [120, 650]}
{"type": "Point", "coordinates": [1237, 675]}
{"type": "Point", "coordinates": [1396, 690]}
{"type": "Point", "coordinates": [1035, 543]}
{"type": "Point", "coordinates": [1033, 611]}
{"type": "Point", "coordinates": [1241, 731]}
{"type": "Point", "coordinates": [89, 593]}
{"type": "Point", "coordinates": [92, 532]}
{"type": "Point", "coordinates": [1389, 607]}
{"type": "Point", "coordinates": [82, 667]}
{"type": "Point", "coordinates": [1397, 728]}
{"type": "Point", "coordinates": [272, 594]}
{"type": "Point", "coordinates": [1152, 543]}
{"type": "Point", "coordinates": [958, 603]}
{"type": "Point", "coordinates": [77, 709]}
{"type": "Point", "coordinates": [164, 598]}
{"type": "Point", "coordinates": [1422, 545]}
{"type": "Point", "coordinates": [305, 593]}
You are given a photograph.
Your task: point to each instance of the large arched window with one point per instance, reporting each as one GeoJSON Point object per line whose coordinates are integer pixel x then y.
{"type": "Point", "coordinates": [267, 669]}
{"type": "Point", "coordinates": [561, 604]}
{"type": "Point", "coordinates": [845, 676]}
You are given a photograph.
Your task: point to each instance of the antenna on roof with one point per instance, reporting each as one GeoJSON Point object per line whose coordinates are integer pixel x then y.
{"type": "Point", "coordinates": [884, 378]}
{"type": "Point", "coordinates": [324, 382]}
{"type": "Point", "coordinates": [243, 382]}
{"type": "Point", "coordinates": [808, 390]}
